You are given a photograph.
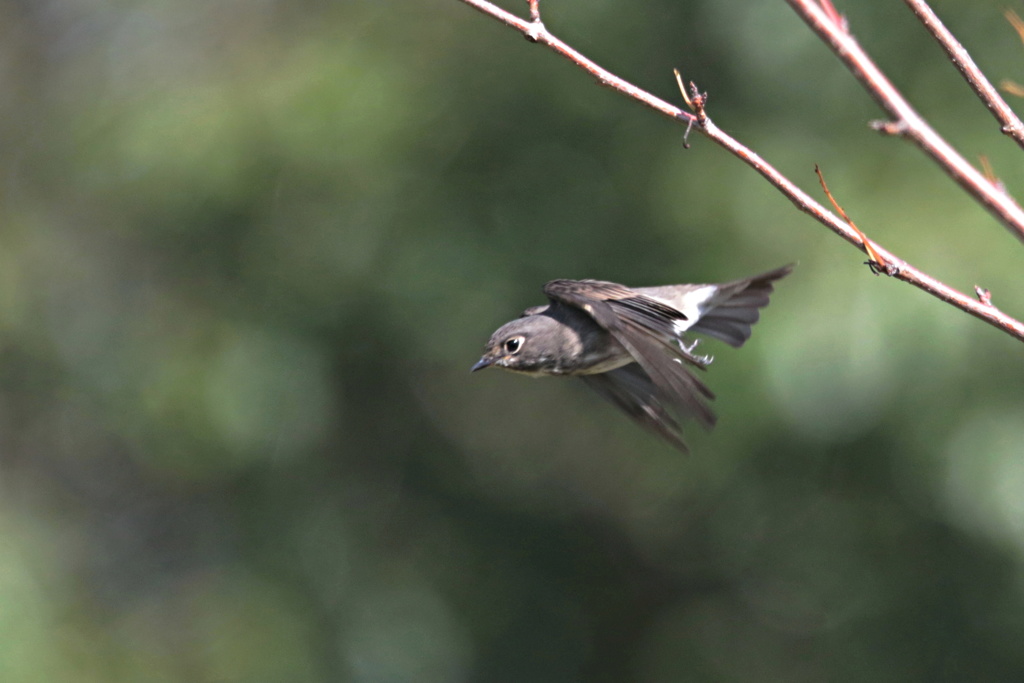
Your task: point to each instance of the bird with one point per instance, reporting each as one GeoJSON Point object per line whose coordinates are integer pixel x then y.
{"type": "Point", "coordinates": [629, 344]}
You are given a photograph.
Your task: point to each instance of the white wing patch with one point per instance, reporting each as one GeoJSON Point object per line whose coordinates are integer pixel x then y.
{"type": "Point", "coordinates": [693, 307]}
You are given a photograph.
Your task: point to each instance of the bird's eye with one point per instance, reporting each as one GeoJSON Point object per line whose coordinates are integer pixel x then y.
{"type": "Point", "coordinates": [513, 345]}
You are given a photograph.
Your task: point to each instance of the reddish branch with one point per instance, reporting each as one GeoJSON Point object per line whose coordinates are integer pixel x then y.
{"type": "Point", "coordinates": [905, 121]}
{"type": "Point", "coordinates": [986, 92]}
{"type": "Point", "coordinates": [832, 27]}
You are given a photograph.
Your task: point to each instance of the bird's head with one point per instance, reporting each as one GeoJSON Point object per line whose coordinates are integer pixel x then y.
{"type": "Point", "coordinates": [528, 345]}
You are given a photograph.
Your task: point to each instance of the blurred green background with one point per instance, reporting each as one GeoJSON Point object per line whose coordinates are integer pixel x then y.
{"type": "Point", "coordinates": [250, 249]}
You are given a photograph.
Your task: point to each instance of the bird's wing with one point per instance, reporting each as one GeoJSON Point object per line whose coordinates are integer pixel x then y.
{"type": "Point", "coordinates": [645, 328]}
{"type": "Point", "coordinates": [631, 389]}
{"type": "Point", "coordinates": [725, 311]}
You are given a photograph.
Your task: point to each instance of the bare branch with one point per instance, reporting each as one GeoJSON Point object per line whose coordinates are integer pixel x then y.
{"type": "Point", "coordinates": [986, 92]}
{"type": "Point", "coordinates": [906, 121]}
{"type": "Point", "coordinates": [535, 31]}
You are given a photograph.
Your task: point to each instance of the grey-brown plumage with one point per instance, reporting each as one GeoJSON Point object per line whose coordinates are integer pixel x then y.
{"type": "Point", "coordinates": [628, 343]}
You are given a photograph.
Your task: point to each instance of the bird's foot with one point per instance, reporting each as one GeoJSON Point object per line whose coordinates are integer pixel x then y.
{"type": "Point", "coordinates": [700, 361]}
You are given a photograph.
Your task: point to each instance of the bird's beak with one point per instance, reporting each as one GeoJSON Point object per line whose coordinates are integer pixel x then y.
{"type": "Point", "coordinates": [484, 362]}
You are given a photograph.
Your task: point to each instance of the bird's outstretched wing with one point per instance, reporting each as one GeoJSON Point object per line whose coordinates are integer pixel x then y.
{"type": "Point", "coordinates": [645, 327]}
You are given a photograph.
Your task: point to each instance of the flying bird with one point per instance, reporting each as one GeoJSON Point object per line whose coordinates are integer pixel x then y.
{"type": "Point", "coordinates": [628, 343]}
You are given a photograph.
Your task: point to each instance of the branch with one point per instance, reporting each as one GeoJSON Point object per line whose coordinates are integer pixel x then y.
{"type": "Point", "coordinates": [986, 92]}
{"type": "Point", "coordinates": [535, 31]}
{"type": "Point", "coordinates": [905, 121]}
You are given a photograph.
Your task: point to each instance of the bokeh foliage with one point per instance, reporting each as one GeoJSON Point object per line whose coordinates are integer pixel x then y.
{"type": "Point", "coordinates": [249, 250]}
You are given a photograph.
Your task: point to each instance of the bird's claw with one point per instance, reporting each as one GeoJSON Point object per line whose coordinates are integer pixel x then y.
{"type": "Point", "coordinates": [701, 361]}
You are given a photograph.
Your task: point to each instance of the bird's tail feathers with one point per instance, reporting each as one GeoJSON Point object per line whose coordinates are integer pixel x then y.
{"type": "Point", "coordinates": [737, 305]}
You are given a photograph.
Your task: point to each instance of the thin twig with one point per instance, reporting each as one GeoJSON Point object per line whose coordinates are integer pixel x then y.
{"type": "Point", "coordinates": [875, 262]}
{"type": "Point", "coordinates": [535, 31]}
{"type": "Point", "coordinates": [534, 11]}
{"type": "Point", "coordinates": [905, 120]}
{"type": "Point", "coordinates": [986, 92]}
